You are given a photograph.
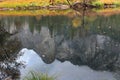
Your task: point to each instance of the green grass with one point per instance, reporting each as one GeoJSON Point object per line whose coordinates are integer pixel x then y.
{"type": "Point", "coordinates": [98, 3]}
{"type": "Point", "coordinates": [117, 4]}
{"type": "Point", "coordinates": [101, 4]}
{"type": "Point", "coordinates": [39, 76]}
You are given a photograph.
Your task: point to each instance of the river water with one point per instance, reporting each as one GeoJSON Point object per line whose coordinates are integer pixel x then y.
{"type": "Point", "coordinates": [82, 46]}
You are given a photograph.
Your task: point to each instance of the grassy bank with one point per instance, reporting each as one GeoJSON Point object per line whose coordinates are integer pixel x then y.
{"type": "Point", "coordinates": [39, 76]}
{"type": "Point", "coordinates": [26, 3]}
{"type": "Point", "coordinates": [23, 3]}
{"type": "Point", "coordinates": [101, 3]}
{"type": "Point", "coordinates": [69, 12]}
{"type": "Point", "coordinates": [43, 3]}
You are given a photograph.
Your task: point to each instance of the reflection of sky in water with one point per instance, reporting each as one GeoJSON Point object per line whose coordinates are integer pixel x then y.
{"type": "Point", "coordinates": [63, 71]}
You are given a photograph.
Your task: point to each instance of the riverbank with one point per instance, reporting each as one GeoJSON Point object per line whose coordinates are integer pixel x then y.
{"type": "Point", "coordinates": [58, 4]}
{"type": "Point", "coordinates": [31, 5]}
{"type": "Point", "coordinates": [50, 7]}
{"type": "Point", "coordinates": [68, 12]}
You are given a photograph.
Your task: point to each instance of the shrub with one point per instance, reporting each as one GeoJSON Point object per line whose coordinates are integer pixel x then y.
{"type": "Point", "coordinates": [38, 76]}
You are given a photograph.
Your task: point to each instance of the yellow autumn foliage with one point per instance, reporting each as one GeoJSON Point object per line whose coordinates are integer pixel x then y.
{"type": "Point", "coordinates": [108, 1]}
{"type": "Point", "coordinates": [76, 22]}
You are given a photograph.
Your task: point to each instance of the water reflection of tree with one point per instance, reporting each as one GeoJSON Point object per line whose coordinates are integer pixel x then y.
{"type": "Point", "coordinates": [108, 26]}
{"type": "Point", "coordinates": [56, 25]}
{"type": "Point", "coordinates": [79, 42]}
{"type": "Point", "coordinates": [8, 54]}
{"type": "Point", "coordinates": [102, 25]}
{"type": "Point", "coordinates": [105, 58]}
{"type": "Point", "coordinates": [86, 48]}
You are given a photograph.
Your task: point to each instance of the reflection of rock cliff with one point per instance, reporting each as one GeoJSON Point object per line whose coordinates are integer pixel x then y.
{"type": "Point", "coordinates": [58, 39]}
{"type": "Point", "coordinates": [96, 51]}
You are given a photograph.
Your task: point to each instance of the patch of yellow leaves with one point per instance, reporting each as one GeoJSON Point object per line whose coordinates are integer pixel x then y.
{"type": "Point", "coordinates": [76, 22]}
{"type": "Point", "coordinates": [108, 1]}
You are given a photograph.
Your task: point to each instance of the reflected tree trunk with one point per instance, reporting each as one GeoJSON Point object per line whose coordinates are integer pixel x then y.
{"type": "Point", "coordinates": [82, 31]}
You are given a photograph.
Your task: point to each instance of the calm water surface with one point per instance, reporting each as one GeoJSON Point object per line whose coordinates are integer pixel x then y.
{"type": "Point", "coordinates": [75, 47]}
